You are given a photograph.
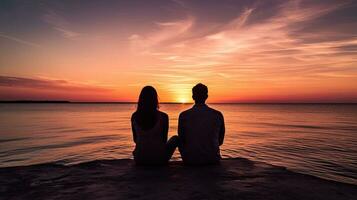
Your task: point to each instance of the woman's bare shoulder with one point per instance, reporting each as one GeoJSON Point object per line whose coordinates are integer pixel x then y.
{"type": "Point", "coordinates": [163, 115]}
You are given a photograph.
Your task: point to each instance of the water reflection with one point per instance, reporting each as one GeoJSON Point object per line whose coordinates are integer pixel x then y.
{"type": "Point", "coordinates": [314, 139]}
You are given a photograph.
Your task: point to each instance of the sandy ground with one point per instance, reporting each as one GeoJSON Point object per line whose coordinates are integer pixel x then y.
{"type": "Point", "coordinates": [120, 179]}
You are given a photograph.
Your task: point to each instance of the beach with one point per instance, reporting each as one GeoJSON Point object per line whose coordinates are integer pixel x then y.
{"type": "Point", "coordinates": [237, 178]}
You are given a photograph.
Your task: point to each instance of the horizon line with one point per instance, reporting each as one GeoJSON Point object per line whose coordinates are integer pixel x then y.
{"type": "Point", "coordinates": [134, 102]}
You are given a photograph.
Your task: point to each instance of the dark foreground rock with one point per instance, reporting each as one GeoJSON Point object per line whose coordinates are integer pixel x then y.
{"type": "Point", "coordinates": [120, 179]}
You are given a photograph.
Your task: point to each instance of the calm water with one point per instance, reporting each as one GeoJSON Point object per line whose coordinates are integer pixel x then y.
{"type": "Point", "coordinates": [315, 139]}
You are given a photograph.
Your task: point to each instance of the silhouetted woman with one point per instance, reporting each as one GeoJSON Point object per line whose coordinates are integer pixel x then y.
{"type": "Point", "coordinates": [150, 127]}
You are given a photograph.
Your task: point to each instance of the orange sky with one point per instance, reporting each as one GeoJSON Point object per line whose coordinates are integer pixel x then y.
{"type": "Point", "coordinates": [244, 51]}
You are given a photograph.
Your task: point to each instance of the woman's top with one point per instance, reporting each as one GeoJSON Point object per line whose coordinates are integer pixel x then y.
{"type": "Point", "coordinates": [151, 144]}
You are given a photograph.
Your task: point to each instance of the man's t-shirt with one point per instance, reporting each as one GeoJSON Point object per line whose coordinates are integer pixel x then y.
{"type": "Point", "coordinates": [201, 131]}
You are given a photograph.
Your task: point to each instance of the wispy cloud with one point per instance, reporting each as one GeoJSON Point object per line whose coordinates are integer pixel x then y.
{"type": "Point", "coordinates": [256, 44]}
{"type": "Point", "coordinates": [60, 24]}
{"type": "Point", "coordinates": [67, 33]}
{"type": "Point", "coordinates": [166, 32]}
{"type": "Point", "coordinates": [25, 88]}
{"type": "Point", "coordinates": [18, 40]}
{"type": "Point", "coordinates": [48, 84]}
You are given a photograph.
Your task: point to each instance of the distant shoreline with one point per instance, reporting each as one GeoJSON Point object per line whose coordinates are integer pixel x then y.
{"type": "Point", "coordinates": [123, 102]}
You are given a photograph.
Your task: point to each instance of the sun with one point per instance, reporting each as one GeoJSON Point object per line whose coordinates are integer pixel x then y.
{"type": "Point", "coordinates": [181, 93]}
{"type": "Point", "coordinates": [182, 100]}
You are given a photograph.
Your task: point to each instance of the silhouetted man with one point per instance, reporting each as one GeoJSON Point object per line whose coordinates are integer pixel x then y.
{"type": "Point", "coordinates": [201, 130]}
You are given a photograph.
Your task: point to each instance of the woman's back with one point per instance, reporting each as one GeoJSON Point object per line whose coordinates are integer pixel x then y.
{"type": "Point", "coordinates": [150, 142]}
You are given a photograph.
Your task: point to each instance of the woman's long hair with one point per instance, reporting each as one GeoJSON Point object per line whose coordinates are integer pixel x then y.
{"type": "Point", "coordinates": [148, 104]}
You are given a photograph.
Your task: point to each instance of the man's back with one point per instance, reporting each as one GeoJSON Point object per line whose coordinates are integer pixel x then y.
{"type": "Point", "coordinates": [201, 132]}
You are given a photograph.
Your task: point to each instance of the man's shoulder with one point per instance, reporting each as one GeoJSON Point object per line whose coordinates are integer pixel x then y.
{"type": "Point", "coordinates": [193, 110]}
{"type": "Point", "coordinates": [185, 112]}
{"type": "Point", "coordinates": [216, 112]}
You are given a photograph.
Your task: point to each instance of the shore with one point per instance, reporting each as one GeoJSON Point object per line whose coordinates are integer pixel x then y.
{"type": "Point", "coordinates": [237, 178]}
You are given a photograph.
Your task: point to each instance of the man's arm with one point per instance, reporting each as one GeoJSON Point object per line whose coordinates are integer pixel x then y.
{"type": "Point", "coordinates": [222, 131]}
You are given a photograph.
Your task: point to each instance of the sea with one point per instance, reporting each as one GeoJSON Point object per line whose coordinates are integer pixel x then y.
{"type": "Point", "coordinates": [315, 139]}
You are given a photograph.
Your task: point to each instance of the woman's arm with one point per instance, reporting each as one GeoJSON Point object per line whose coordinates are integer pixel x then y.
{"type": "Point", "coordinates": [166, 126]}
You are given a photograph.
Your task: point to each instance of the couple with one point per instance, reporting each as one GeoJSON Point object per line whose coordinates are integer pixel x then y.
{"type": "Point", "coordinates": [200, 131]}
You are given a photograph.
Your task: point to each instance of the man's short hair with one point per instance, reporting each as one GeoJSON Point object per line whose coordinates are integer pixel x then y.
{"type": "Point", "coordinates": [200, 93]}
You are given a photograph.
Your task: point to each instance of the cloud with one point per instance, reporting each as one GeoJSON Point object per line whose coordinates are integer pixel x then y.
{"type": "Point", "coordinates": [267, 46]}
{"type": "Point", "coordinates": [60, 24]}
{"type": "Point", "coordinates": [21, 88]}
{"type": "Point", "coordinates": [18, 40]}
{"type": "Point", "coordinates": [165, 33]}
{"type": "Point", "coordinates": [48, 84]}
{"type": "Point", "coordinates": [67, 33]}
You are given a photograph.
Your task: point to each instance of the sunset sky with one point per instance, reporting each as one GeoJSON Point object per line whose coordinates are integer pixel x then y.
{"type": "Point", "coordinates": [243, 50]}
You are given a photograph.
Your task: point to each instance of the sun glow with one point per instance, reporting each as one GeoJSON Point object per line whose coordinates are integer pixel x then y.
{"type": "Point", "coordinates": [182, 100]}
